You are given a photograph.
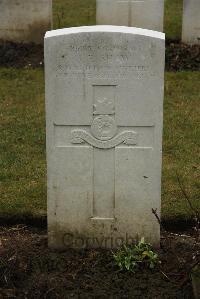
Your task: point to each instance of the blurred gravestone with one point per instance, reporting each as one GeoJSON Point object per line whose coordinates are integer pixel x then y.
{"type": "Point", "coordinates": [146, 14]}
{"type": "Point", "coordinates": [104, 107]}
{"type": "Point", "coordinates": [191, 22]}
{"type": "Point", "coordinates": [25, 20]}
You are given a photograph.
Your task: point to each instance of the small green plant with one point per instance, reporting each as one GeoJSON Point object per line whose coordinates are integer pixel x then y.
{"type": "Point", "coordinates": [135, 257]}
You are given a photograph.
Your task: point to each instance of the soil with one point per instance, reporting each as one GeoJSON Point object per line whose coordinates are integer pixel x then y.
{"type": "Point", "coordinates": [179, 56]}
{"type": "Point", "coordinates": [21, 55]}
{"type": "Point", "coordinates": [29, 269]}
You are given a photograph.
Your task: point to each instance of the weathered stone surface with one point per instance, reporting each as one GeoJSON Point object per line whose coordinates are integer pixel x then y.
{"type": "Point", "coordinates": [104, 110]}
{"type": "Point", "coordinates": [191, 22]}
{"type": "Point", "coordinates": [147, 14]}
{"type": "Point", "coordinates": [25, 20]}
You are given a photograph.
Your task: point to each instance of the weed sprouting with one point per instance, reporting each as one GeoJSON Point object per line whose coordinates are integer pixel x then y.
{"type": "Point", "coordinates": [135, 257]}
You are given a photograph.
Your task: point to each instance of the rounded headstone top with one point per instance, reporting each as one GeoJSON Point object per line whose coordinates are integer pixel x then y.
{"type": "Point", "coordinates": [105, 28]}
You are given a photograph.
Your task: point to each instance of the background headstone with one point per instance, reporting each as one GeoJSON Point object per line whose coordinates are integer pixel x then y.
{"type": "Point", "coordinates": [147, 14]}
{"type": "Point", "coordinates": [191, 21]}
{"type": "Point", "coordinates": [25, 20]}
{"type": "Point", "coordinates": [104, 110]}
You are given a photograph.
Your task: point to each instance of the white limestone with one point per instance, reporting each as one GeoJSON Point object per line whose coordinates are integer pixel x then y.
{"type": "Point", "coordinates": [25, 20]}
{"type": "Point", "coordinates": [146, 14]}
{"type": "Point", "coordinates": [104, 110]}
{"type": "Point", "coordinates": [191, 21]}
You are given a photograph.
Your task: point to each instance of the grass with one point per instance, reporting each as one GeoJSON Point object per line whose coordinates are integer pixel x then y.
{"type": "Point", "coordinates": [181, 144]}
{"type": "Point", "coordinates": [22, 127]}
{"type": "Point", "coordinates": [68, 13]}
{"type": "Point", "coordinates": [22, 147]}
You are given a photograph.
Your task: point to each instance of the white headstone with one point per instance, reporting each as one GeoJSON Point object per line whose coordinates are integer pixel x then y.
{"type": "Point", "coordinates": [104, 110]}
{"type": "Point", "coordinates": [147, 14]}
{"type": "Point", "coordinates": [25, 20]}
{"type": "Point", "coordinates": [191, 22]}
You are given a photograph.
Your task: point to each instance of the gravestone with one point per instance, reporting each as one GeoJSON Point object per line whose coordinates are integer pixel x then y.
{"type": "Point", "coordinates": [191, 22]}
{"type": "Point", "coordinates": [104, 110]}
{"type": "Point", "coordinates": [146, 14]}
{"type": "Point", "coordinates": [25, 20]}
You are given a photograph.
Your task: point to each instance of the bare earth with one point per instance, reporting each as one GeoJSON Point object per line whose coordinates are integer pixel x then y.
{"type": "Point", "coordinates": [178, 56]}
{"type": "Point", "coordinates": [28, 269]}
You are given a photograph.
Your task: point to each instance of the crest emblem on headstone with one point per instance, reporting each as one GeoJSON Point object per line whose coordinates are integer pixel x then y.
{"type": "Point", "coordinates": [103, 128]}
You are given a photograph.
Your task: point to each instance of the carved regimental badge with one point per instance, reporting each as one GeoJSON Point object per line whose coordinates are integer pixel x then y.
{"type": "Point", "coordinates": [104, 128]}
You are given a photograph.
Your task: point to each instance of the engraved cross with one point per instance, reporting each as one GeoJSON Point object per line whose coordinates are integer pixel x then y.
{"type": "Point", "coordinates": [103, 136]}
